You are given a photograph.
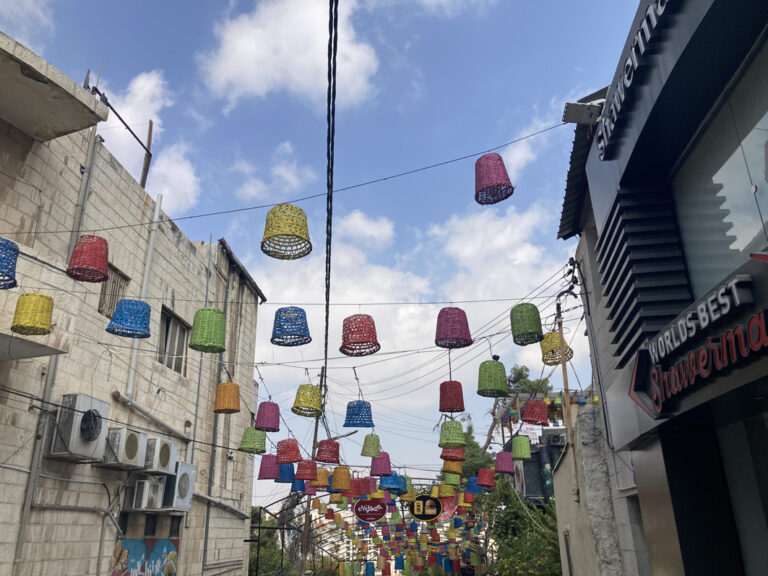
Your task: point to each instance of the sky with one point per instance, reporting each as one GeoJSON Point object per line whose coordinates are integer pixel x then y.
{"type": "Point", "coordinates": [237, 93]}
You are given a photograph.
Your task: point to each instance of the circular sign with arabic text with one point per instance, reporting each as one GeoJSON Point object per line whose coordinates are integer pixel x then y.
{"type": "Point", "coordinates": [369, 510]}
{"type": "Point", "coordinates": [426, 508]}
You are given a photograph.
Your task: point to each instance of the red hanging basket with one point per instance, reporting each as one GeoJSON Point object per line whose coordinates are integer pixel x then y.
{"type": "Point", "coordinates": [359, 336]}
{"type": "Point", "coordinates": [451, 397]}
{"type": "Point", "coordinates": [329, 514]}
{"type": "Point", "coordinates": [452, 454]}
{"type": "Point", "coordinates": [288, 451]}
{"type": "Point", "coordinates": [90, 260]}
{"type": "Point", "coordinates": [536, 412]}
{"type": "Point", "coordinates": [492, 183]}
{"type": "Point", "coordinates": [327, 451]}
{"type": "Point", "coordinates": [306, 470]}
{"type": "Point", "coordinates": [485, 478]}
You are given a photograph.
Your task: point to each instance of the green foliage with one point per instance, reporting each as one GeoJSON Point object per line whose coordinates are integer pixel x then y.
{"type": "Point", "coordinates": [474, 457]}
{"type": "Point", "coordinates": [525, 534]}
{"type": "Point", "coordinates": [269, 544]}
{"type": "Point", "coordinates": [519, 376]}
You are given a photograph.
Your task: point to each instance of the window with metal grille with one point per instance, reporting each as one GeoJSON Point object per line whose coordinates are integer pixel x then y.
{"type": "Point", "coordinates": [175, 529]}
{"type": "Point", "coordinates": [172, 345]}
{"type": "Point", "coordinates": [112, 291]}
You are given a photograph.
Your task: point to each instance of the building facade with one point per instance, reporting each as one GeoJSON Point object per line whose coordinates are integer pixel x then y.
{"type": "Point", "coordinates": [65, 507]}
{"type": "Point", "coordinates": [668, 192]}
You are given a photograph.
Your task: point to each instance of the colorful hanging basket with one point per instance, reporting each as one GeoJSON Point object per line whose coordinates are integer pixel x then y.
{"type": "Point", "coordinates": [452, 454]}
{"type": "Point", "coordinates": [521, 448]}
{"type": "Point", "coordinates": [130, 320]}
{"type": "Point", "coordinates": [492, 182]}
{"type": "Point", "coordinates": [394, 484]}
{"type": "Point", "coordinates": [327, 451]}
{"type": "Point", "coordinates": [485, 478]}
{"type": "Point", "coordinates": [550, 350]}
{"type": "Point", "coordinates": [492, 379]}
{"type": "Point", "coordinates": [9, 254]}
{"type": "Point", "coordinates": [504, 463]}
{"type": "Point", "coordinates": [526, 324]}
{"type": "Point", "coordinates": [358, 336]}
{"type": "Point", "coordinates": [269, 469]}
{"type": "Point", "coordinates": [290, 327]}
{"type": "Point", "coordinates": [451, 435]}
{"type": "Point", "coordinates": [268, 417]}
{"type": "Point", "coordinates": [34, 314]}
{"type": "Point", "coordinates": [452, 329]}
{"type": "Point", "coordinates": [323, 474]}
{"type": "Point", "coordinates": [381, 466]}
{"type": "Point", "coordinates": [254, 441]}
{"type": "Point", "coordinates": [227, 398]}
{"type": "Point", "coordinates": [452, 479]}
{"type": "Point", "coordinates": [308, 401]}
{"type": "Point", "coordinates": [472, 486]}
{"type": "Point", "coordinates": [288, 451]}
{"type": "Point", "coordinates": [451, 397]}
{"type": "Point", "coordinates": [286, 236]}
{"type": "Point", "coordinates": [90, 260]}
{"type": "Point", "coordinates": [358, 415]}
{"type": "Point", "coordinates": [453, 466]}
{"type": "Point", "coordinates": [342, 479]}
{"type": "Point", "coordinates": [371, 446]}
{"type": "Point", "coordinates": [208, 330]}
{"type": "Point", "coordinates": [297, 485]}
{"type": "Point", "coordinates": [286, 475]}
{"type": "Point", "coordinates": [536, 412]}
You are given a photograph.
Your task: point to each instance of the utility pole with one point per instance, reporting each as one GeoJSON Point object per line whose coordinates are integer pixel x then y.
{"type": "Point", "coordinates": [307, 511]}
{"type": "Point", "coordinates": [567, 411]}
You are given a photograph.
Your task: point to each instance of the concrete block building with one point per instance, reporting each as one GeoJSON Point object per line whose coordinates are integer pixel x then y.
{"type": "Point", "coordinates": [66, 513]}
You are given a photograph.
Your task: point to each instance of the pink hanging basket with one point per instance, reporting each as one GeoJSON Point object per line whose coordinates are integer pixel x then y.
{"type": "Point", "coordinates": [452, 329]}
{"type": "Point", "coordinates": [504, 463]}
{"type": "Point", "coordinates": [492, 183]}
{"type": "Point", "coordinates": [269, 469]}
{"type": "Point", "coordinates": [358, 336]}
{"type": "Point", "coordinates": [268, 417]}
{"type": "Point", "coordinates": [381, 466]}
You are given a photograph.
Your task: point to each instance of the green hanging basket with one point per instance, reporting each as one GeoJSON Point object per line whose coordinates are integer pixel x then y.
{"type": "Point", "coordinates": [208, 331]}
{"type": "Point", "coordinates": [492, 380]}
{"type": "Point", "coordinates": [526, 324]}
{"type": "Point", "coordinates": [254, 441]}
{"type": "Point", "coordinates": [371, 446]}
{"type": "Point", "coordinates": [452, 479]}
{"type": "Point", "coordinates": [451, 435]}
{"type": "Point", "coordinates": [521, 448]}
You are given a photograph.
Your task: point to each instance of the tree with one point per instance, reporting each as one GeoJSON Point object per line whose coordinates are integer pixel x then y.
{"type": "Point", "coordinates": [268, 546]}
{"type": "Point", "coordinates": [474, 455]}
{"type": "Point", "coordinates": [519, 379]}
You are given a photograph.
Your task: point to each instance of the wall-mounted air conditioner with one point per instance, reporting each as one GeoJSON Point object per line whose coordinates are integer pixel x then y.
{"type": "Point", "coordinates": [80, 432]}
{"type": "Point", "coordinates": [179, 487]}
{"type": "Point", "coordinates": [148, 494]}
{"type": "Point", "coordinates": [125, 448]}
{"type": "Point", "coordinates": [160, 456]}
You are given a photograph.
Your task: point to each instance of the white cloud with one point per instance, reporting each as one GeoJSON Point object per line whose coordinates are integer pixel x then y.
{"type": "Point", "coordinates": [363, 230]}
{"type": "Point", "coordinates": [287, 175]}
{"type": "Point", "coordinates": [27, 21]}
{"type": "Point", "coordinates": [173, 175]}
{"type": "Point", "coordinates": [146, 96]}
{"type": "Point", "coordinates": [519, 155]}
{"type": "Point", "coordinates": [281, 46]}
{"type": "Point", "coordinates": [447, 8]}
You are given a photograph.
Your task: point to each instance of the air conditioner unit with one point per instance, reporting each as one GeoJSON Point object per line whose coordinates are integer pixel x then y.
{"type": "Point", "coordinates": [179, 488]}
{"type": "Point", "coordinates": [125, 448]}
{"type": "Point", "coordinates": [160, 455]}
{"type": "Point", "coordinates": [557, 439]}
{"type": "Point", "coordinates": [148, 494]}
{"type": "Point", "coordinates": [80, 432]}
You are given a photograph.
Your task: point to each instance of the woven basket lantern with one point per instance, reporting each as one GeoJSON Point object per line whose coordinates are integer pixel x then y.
{"type": "Point", "coordinates": [550, 350]}
{"type": "Point", "coordinates": [306, 470]}
{"type": "Point", "coordinates": [327, 451]}
{"type": "Point", "coordinates": [358, 415]}
{"type": "Point", "coordinates": [9, 254]}
{"type": "Point", "coordinates": [492, 183]}
{"type": "Point", "coordinates": [558, 402]}
{"type": "Point", "coordinates": [452, 479]}
{"type": "Point", "coordinates": [286, 236]}
{"type": "Point", "coordinates": [526, 324]}
{"type": "Point", "coordinates": [472, 486]}
{"type": "Point", "coordinates": [409, 496]}
{"type": "Point", "coordinates": [309, 490]}
{"type": "Point", "coordinates": [308, 401]}
{"type": "Point", "coordinates": [521, 448]}
{"type": "Point", "coordinates": [536, 412]}
{"type": "Point", "coordinates": [358, 336]}
{"type": "Point", "coordinates": [208, 330]}
{"type": "Point", "coordinates": [451, 397]}
{"type": "Point", "coordinates": [288, 451]}
{"type": "Point", "coordinates": [254, 441]}
{"type": "Point", "coordinates": [451, 435]}
{"type": "Point", "coordinates": [335, 498]}
{"type": "Point", "coordinates": [342, 479]}
{"type": "Point", "coordinates": [504, 463]}
{"type": "Point", "coordinates": [452, 329]}
{"type": "Point", "coordinates": [399, 563]}
{"type": "Point", "coordinates": [453, 466]}
{"type": "Point", "coordinates": [130, 320]}
{"type": "Point", "coordinates": [322, 478]}
{"type": "Point", "coordinates": [492, 379]}
{"type": "Point", "coordinates": [268, 417]}
{"type": "Point", "coordinates": [452, 454]}
{"type": "Point", "coordinates": [323, 509]}
{"type": "Point", "coordinates": [446, 491]}
{"type": "Point", "coordinates": [371, 446]}
{"type": "Point", "coordinates": [290, 327]}
{"type": "Point", "coordinates": [269, 469]}
{"type": "Point", "coordinates": [315, 504]}
{"type": "Point", "coordinates": [90, 260]}
{"type": "Point", "coordinates": [370, 569]}
{"type": "Point", "coordinates": [34, 313]}
{"type": "Point", "coordinates": [227, 398]}
{"type": "Point", "coordinates": [297, 485]}
{"type": "Point", "coordinates": [286, 475]}
{"type": "Point", "coordinates": [381, 466]}
{"type": "Point", "coordinates": [485, 478]}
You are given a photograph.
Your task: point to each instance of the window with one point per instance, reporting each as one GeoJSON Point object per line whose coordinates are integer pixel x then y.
{"type": "Point", "coordinates": [172, 345]}
{"type": "Point", "coordinates": [112, 291]}
{"type": "Point", "coordinates": [150, 525]}
{"type": "Point", "coordinates": [123, 523]}
{"type": "Point", "coordinates": [175, 529]}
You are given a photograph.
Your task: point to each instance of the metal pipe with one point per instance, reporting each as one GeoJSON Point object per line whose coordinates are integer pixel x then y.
{"type": "Point", "coordinates": [123, 399]}
{"type": "Point", "coordinates": [85, 184]}
{"type": "Point", "coordinates": [144, 287]}
{"type": "Point", "coordinates": [221, 504]}
{"type": "Point", "coordinates": [17, 468]}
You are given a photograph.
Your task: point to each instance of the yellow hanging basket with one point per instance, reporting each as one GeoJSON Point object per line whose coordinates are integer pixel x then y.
{"type": "Point", "coordinates": [550, 349]}
{"type": "Point", "coordinates": [453, 467]}
{"type": "Point", "coordinates": [308, 401]}
{"type": "Point", "coordinates": [33, 315]}
{"type": "Point", "coordinates": [286, 236]}
{"type": "Point", "coordinates": [227, 398]}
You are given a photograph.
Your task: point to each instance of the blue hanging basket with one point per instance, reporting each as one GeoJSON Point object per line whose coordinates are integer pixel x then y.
{"type": "Point", "coordinates": [359, 415]}
{"type": "Point", "coordinates": [394, 483]}
{"type": "Point", "coordinates": [286, 474]}
{"type": "Point", "coordinates": [130, 320]}
{"type": "Point", "coordinates": [472, 486]}
{"type": "Point", "coordinates": [399, 563]}
{"type": "Point", "coordinates": [290, 327]}
{"type": "Point", "coordinates": [9, 253]}
{"type": "Point", "coordinates": [370, 569]}
{"type": "Point", "coordinates": [297, 486]}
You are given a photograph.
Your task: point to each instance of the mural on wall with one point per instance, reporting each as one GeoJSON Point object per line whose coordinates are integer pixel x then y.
{"type": "Point", "coordinates": [145, 557]}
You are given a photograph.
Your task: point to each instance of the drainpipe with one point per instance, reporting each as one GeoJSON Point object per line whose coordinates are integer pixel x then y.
{"type": "Point", "coordinates": [85, 185]}
{"type": "Point", "coordinates": [143, 295]}
{"type": "Point", "coordinates": [149, 416]}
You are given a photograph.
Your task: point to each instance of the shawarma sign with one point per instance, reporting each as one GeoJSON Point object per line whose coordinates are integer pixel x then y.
{"type": "Point", "coordinates": [686, 354]}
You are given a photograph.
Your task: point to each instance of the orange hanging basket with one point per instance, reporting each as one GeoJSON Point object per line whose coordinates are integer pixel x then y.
{"type": "Point", "coordinates": [227, 398]}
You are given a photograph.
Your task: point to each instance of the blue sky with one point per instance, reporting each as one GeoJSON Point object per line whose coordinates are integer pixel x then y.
{"type": "Point", "coordinates": [237, 92]}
